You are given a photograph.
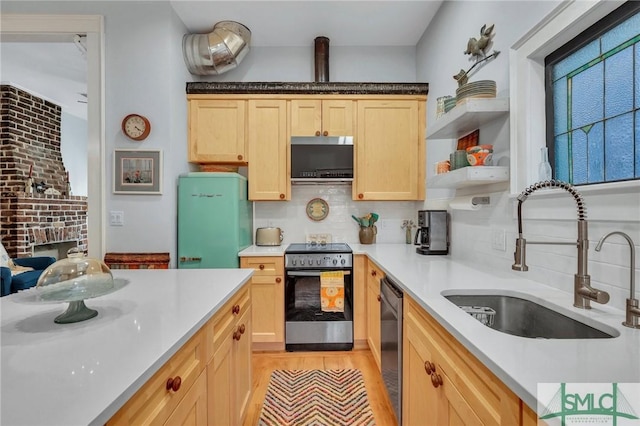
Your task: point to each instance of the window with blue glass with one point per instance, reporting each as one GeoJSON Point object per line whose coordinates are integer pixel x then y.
{"type": "Point", "coordinates": [593, 100]}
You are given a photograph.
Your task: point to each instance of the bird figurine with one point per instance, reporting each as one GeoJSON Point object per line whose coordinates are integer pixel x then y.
{"type": "Point", "coordinates": [477, 47]}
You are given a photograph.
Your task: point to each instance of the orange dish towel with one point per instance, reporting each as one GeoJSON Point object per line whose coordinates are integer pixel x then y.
{"type": "Point", "coordinates": [332, 291]}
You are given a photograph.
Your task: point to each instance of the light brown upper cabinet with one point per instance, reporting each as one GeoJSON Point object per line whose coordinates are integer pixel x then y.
{"type": "Point", "coordinates": [268, 150]}
{"type": "Point", "coordinates": [321, 117]}
{"type": "Point", "coordinates": [390, 150]}
{"type": "Point", "coordinates": [216, 131]}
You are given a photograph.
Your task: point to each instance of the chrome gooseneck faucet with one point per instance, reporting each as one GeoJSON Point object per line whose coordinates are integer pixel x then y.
{"type": "Point", "coordinates": [632, 318]}
{"type": "Point", "coordinates": [583, 293]}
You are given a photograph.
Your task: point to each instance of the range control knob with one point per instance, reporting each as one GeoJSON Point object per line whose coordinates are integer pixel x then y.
{"type": "Point", "coordinates": [335, 261]}
{"type": "Point", "coordinates": [293, 262]}
{"type": "Point", "coordinates": [343, 261]}
{"type": "Point", "coordinates": [318, 262]}
{"type": "Point", "coordinates": [301, 262]}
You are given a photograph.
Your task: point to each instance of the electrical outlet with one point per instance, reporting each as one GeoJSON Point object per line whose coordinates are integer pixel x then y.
{"type": "Point", "coordinates": [498, 239]}
{"type": "Point", "coordinates": [116, 218]}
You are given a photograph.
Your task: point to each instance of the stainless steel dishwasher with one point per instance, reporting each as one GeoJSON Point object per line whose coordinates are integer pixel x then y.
{"type": "Point", "coordinates": [391, 342]}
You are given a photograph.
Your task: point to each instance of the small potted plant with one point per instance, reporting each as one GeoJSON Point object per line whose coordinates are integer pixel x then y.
{"type": "Point", "coordinates": [407, 225]}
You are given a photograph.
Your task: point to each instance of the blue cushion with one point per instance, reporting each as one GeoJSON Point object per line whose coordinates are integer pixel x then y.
{"type": "Point", "coordinates": [5, 277]}
{"type": "Point", "coordinates": [24, 280]}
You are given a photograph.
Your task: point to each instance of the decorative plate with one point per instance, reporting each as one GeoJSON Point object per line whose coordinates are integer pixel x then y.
{"type": "Point", "coordinates": [317, 209]}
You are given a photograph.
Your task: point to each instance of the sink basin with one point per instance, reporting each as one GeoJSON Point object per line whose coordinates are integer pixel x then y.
{"type": "Point", "coordinates": [525, 318]}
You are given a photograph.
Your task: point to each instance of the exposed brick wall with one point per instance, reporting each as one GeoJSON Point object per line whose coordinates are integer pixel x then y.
{"type": "Point", "coordinates": [30, 135]}
{"type": "Point", "coordinates": [30, 138]}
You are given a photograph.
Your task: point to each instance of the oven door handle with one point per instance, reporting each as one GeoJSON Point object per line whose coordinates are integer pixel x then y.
{"type": "Point", "coordinates": [310, 273]}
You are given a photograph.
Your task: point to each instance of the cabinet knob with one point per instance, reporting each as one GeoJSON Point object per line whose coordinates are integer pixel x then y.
{"type": "Point", "coordinates": [235, 310]}
{"type": "Point", "coordinates": [282, 196]}
{"type": "Point", "coordinates": [379, 298]}
{"type": "Point", "coordinates": [360, 196]}
{"type": "Point", "coordinates": [278, 280]}
{"type": "Point", "coordinates": [374, 273]}
{"type": "Point", "coordinates": [239, 157]}
{"type": "Point", "coordinates": [325, 133]}
{"type": "Point", "coordinates": [173, 384]}
{"type": "Point", "coordinates": [261, 267]}
{"type": "Point", "coordinates": [317, 132]}
{"type": "Point", "coordinates": [236, 335]}
{"type": "Point", "coordinates": [436, 380]}
{"type": "Point", "coordinates": [242, 329]}
{"type": "Point", "coordinates": [429, 367]}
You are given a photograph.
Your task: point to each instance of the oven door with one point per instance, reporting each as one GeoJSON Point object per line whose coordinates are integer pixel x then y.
{"type": "Point", "coordinates": [307, 325]}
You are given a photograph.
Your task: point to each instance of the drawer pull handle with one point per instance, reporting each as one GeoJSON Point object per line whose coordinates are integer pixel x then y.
{"type": "Point", "coordinates": [173, 384]}
{"type": "Point", "coordinates": [325, 133]}
{"type": "Point", "coordinates": [242, 329]}
{"type": "Point", "coordinates": [436, 380]}
{"type": "Point", "coordinates": [190, 259]}
{"type": "Point", "coordinates": [235, 310]}
{"type": "Point", "coordinates": [261, 267]}
{"type": "Point", "coordinates": [278, 280]}
{"type": "Point", "coordinates": [317, 132]}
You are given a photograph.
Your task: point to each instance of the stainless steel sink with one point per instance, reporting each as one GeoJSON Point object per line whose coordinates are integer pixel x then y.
{"type": "Point", "coordinates": [525, 318]}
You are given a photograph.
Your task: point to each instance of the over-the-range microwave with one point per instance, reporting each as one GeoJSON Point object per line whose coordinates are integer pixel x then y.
{"type": "Point", "coordinates": [327, 159]}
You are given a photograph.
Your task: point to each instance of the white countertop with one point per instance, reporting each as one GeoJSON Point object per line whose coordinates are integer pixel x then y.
{"type": "Point", "coordinates": [82, 373]}
{"type": "Point", "coordinates": [521, 363]}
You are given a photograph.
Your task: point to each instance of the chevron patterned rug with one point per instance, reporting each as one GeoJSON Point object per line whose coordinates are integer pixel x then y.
{"type": "Point", "coordinates": [316, 398]}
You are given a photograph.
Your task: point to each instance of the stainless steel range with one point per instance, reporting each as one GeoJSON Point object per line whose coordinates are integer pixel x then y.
{"type": "Point", "coordinates": [308, 324]}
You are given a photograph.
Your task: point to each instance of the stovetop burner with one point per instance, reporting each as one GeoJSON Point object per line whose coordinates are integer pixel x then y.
{"type": "Point", "coordinates": [318, 248]}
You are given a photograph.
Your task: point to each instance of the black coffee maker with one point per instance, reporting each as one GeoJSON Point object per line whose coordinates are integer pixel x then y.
{"type": "Point", "coordinates": [433, 232]}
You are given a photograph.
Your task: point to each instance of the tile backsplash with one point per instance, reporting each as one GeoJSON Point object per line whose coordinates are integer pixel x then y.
{"type": "Point", "coordinates": [291, 215]}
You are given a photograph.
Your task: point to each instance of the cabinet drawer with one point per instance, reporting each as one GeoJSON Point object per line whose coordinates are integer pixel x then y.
{"type": "Point", "coordinates": [154, 403]}
{"type": "Point", "coordinates": [226, 318]}
{"type": "Point", "coordinates": [264, 265]}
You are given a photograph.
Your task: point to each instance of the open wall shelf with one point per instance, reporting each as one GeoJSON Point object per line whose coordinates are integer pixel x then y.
{"type": "Point", "coordinates": [467, 117]}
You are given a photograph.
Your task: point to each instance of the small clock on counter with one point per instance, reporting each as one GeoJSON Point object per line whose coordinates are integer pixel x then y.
{"type": "Point", "coordinates": [136, 127]}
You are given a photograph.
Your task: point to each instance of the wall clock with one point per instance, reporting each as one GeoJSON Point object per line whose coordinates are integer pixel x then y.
{"type": "Point", "coordinates": [136, 127]}
{"type": "Point", "coordinates": [317, 209]}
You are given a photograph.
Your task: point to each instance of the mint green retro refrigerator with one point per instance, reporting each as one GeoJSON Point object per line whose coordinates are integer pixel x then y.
{"type": "Point", "coordinates": [215, 220]}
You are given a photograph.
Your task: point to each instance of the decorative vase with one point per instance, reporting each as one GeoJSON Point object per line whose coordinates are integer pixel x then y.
{"type": "Point", "coordinates": [366, 235]}
{"type": "Point", "coordinates": [544, 168]}
{"type": "Point", "coordinates": [407, 238]}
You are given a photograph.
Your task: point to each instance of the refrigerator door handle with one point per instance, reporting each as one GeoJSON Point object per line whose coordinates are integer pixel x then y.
{"type": "Point", "coordinates": [190, 259]}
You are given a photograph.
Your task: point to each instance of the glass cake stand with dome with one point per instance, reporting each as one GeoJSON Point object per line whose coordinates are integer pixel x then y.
{"type": "Point", "coordinates": [73, 280]}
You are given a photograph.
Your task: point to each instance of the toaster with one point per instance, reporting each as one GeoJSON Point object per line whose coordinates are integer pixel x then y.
{"type": "Point", "coordinates": [268, 236]}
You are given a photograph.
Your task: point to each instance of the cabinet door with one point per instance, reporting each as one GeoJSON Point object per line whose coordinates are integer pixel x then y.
{"type": "Point", "coordinates": [337, 117]}
{"type": "Point", "coordinates": [241, 379]}
{"type": "Point", "coordinates": [390, 150]}
{"type": "Point", "coordinates": [192, 410]}
{"type": "Point", "coordinates": [359, 299]}
{"type": "Point", "coordinates": [306, 117]}
{"type": "Point", "coordinates": [220, 377]}
{"type": "Point", "coordinates": [217, 131]}
{"type": "Point", "coordinates": [268, 150]}
{"type": "Point", "coordinates": [373, 310]}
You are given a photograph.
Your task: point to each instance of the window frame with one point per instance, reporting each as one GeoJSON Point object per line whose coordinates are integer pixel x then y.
{"type": "Point", "coordinates": [606, 23]}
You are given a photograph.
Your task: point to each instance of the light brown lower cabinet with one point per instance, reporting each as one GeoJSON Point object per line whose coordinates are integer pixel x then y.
{"type": "Point", "coordinates": [374, 275]}
{"type": "Point", "coordinates": [444, 384]}
{"type": "Point", "coordinates": [208, 381]}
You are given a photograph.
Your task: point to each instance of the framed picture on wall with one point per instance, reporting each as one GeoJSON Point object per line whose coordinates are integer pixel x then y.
{"type": "Point", "coordinates": [137, 172]}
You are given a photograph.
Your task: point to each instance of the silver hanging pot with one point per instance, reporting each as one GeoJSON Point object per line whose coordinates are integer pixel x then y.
{"type": "Point", "coordinates": [217, 52]}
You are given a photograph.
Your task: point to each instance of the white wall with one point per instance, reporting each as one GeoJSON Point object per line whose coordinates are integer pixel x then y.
{"type": "Point", "coordinates": [73, 146]}
{"type": "Point", "coordinates": [439, 57]}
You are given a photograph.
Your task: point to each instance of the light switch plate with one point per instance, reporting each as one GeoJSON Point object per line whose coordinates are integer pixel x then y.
{"type": "Point", "coordinates": [498, 239]}
{"type": "Point", "coordinates": [116, 218]}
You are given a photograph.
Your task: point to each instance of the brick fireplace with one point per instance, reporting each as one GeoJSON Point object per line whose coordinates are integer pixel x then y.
{"type": "Point", "coordinates": [30, 143]}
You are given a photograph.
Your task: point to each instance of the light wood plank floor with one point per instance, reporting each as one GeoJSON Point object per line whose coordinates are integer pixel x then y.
{"type": "Point", "coordinates": [265, 363]}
